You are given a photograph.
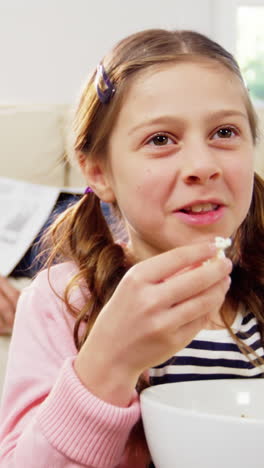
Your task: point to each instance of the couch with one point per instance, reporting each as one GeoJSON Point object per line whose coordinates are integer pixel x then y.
{"type": "Point", "coordinates": [33, 147]}
{"type": "Point", "coordinates": [33, 142]}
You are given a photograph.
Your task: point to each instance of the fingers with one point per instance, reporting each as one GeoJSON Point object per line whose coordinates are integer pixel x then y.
{"type": "Point", "coordinates": [188, 332]}
{"type": "Point", "coordinates": [7, 311]}
{"type": "Point", "coordinates": [8, 300]}
{"type": "Point", "coordinates": [161, 267]}
{"type": "Point", "coordinates": [5, 330]}
{"type": "Point", "coordinates": [9, 291]}
{"type": "Point", "coordinates": [192, 282]}
{"type": "Point", "coordinates": [181, 323]}
{"type": "Point", "coordinates": [199, 306]}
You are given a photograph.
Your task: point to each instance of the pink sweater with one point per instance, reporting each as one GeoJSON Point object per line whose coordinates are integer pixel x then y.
{"type": "Point", "coordinates": [48, 418]}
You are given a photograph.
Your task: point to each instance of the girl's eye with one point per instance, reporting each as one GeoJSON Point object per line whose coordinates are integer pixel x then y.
{"type": "Point", "coordinates": [225, 133]}
{"type": "Point", "coordinates": [160, 139]}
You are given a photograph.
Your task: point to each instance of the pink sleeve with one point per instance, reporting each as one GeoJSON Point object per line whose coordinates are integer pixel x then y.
{"type": "Point", "coordinates": [48, 418]}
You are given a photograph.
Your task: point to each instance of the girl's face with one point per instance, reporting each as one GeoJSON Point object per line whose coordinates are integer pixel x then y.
{"type": "Point", "coordinates": [181, 156]}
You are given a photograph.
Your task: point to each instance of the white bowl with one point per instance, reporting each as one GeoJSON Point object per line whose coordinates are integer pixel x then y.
{"type": "Point", "coordinates": [205, 424]}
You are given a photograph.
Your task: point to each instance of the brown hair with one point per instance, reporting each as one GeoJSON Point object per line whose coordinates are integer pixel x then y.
{"type": "Point", "coordinates": [82, 234]}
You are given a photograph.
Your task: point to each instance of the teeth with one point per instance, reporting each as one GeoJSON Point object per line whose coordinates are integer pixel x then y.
{"type": "Point", "coordinates": [202, 207]}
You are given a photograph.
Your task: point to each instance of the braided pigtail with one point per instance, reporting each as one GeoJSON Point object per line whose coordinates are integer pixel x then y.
{"type": "Point", "coordinates": [82, 235]}
{"type": "Point", "coordinates": [248, 272]}
{"type": "Point", "coordinates": [247, 255]}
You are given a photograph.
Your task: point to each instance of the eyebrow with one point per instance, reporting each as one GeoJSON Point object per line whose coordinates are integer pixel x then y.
{"type": "Point", "coordinates": [228, 113]}
{"type": "Point", "coordinates": [165, 119]}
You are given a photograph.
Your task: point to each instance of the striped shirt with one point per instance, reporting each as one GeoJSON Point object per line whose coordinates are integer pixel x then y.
{"type": "Point", "coordinates": [214, 354]}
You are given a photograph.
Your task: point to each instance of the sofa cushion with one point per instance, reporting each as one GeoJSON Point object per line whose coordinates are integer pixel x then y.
{"type": "Point", "coordinates": [73, 173]}
{"type": "Point", "coordinates": [32, 144]}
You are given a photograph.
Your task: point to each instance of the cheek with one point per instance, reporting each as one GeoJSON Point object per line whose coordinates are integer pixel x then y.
{"type": "Point", "coordinates": [243, 181]}
{"type": "Point", "coordinates": [147, 183]}
{"type": "Point", "coordinates": [240, 167]}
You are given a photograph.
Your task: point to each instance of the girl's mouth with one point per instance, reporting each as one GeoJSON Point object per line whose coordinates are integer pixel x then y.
{"type": "Point", "coordinates": [200, 208]}
{"type": "Point", "coordinates": [201, 213]}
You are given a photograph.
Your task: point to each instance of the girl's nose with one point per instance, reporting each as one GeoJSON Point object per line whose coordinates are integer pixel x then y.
{"type": "Point", "coordinates": [201, 166]}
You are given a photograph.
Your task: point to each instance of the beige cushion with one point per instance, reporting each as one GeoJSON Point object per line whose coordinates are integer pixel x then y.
{"type": "Point", "coordinates": [73, 174]}
{"type": "Point", "coordinates": [32, 144]}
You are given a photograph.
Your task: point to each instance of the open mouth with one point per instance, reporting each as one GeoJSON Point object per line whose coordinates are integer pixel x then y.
{"type": "Point", "coordinates": [200, 208]}
{"type": "Point", "coordinates": [201, 213]}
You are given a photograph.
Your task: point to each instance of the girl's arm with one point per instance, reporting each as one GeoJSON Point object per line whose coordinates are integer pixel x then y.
{"type": "Point", "coordinates": [48, 418]}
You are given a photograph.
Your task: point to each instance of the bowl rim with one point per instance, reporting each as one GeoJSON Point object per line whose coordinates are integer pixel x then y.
{"type": "Point", "coordinates": [194, 412]}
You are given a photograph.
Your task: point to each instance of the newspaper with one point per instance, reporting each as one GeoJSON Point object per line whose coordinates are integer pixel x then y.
{"type": "Point", "coordinates": [24, 209]}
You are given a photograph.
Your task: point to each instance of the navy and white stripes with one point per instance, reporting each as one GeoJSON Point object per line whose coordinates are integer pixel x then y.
{"type": "Point", "coordinates": [214, 354]}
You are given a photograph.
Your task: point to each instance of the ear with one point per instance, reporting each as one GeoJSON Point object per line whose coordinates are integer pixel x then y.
{"type": "Point", "coordinates": [98, 177]}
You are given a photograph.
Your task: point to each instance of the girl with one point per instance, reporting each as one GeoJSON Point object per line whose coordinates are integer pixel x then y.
{"type": "Point", "coordinates": [165, 132]}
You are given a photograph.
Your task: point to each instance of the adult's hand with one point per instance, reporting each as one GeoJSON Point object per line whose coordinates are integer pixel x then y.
{"type": "Point", "coordinates": [8, 300]}
{"type": "Point", "coordinates": [156, 310]}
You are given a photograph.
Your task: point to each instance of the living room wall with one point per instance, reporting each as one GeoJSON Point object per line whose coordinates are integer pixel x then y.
{"type": "Point", "coordinates": [48, 46]}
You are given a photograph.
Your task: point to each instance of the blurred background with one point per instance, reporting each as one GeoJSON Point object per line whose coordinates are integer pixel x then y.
{"type": "Point", "coordinates": [47, 47]}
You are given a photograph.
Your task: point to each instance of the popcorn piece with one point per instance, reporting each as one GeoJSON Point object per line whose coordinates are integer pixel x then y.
{"type": "Point", "coordinates": [221, 244]}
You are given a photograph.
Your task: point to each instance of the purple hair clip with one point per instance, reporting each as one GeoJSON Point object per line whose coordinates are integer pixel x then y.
{"type": "Point", "coordinates": [106, 94]}
{"type": "Point", "coordinates": [88, 190]}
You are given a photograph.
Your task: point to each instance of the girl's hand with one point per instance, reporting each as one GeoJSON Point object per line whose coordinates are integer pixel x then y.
{"type": "Point", "coordinates": [156, 310]}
